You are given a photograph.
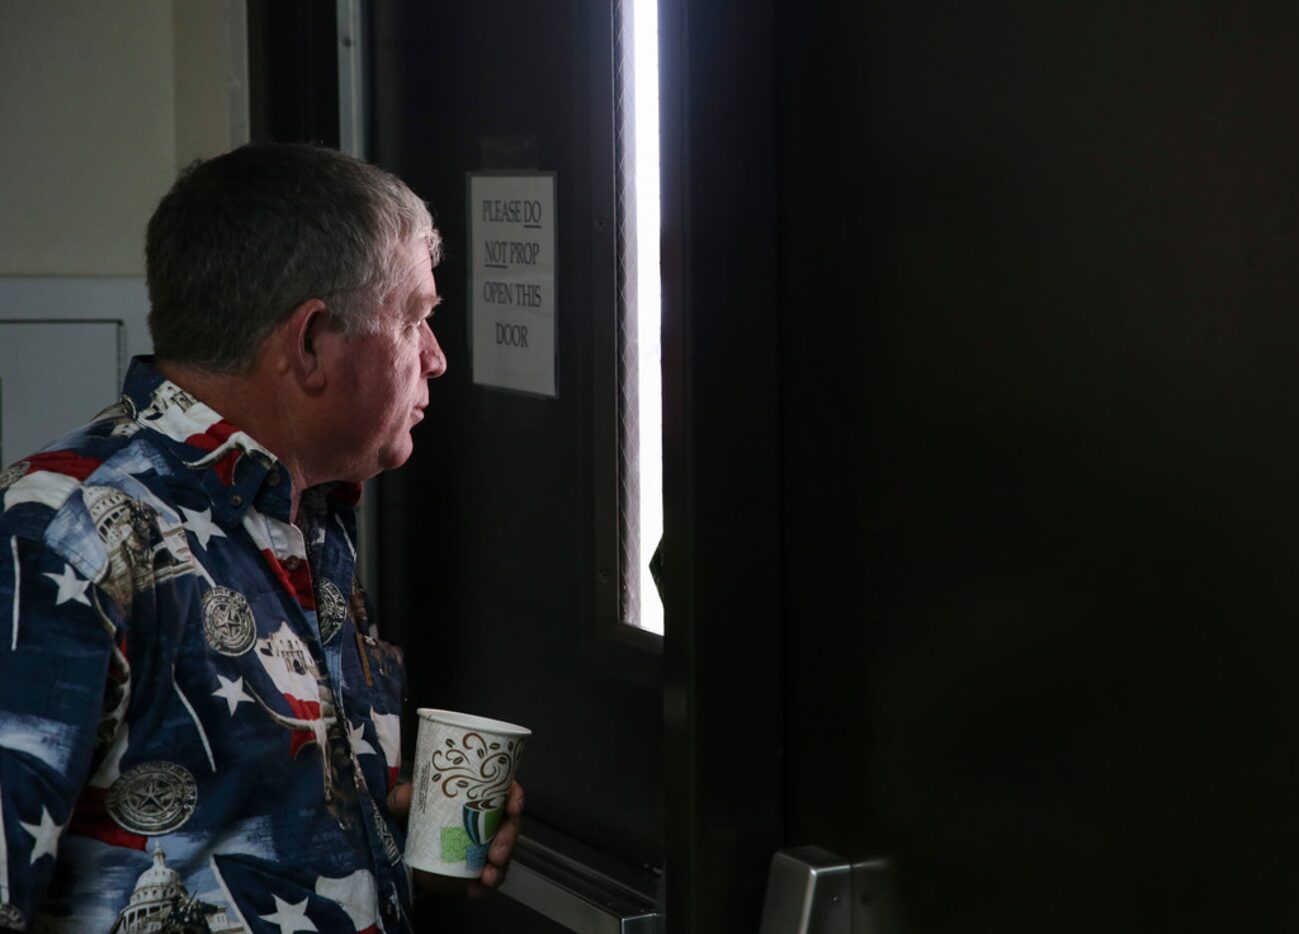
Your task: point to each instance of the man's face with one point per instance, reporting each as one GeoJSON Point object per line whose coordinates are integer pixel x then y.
{"type": "Point", "coordinates": [383, 385]}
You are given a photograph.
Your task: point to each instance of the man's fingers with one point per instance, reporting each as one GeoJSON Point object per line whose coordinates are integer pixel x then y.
{"type": "Point", "coordinates": [490, 879]}
{"type": "Point", "coordinates": [503, 845]}
{"type": "Point", "coordinates": [514, 804]}
{"type": "Point", "coordinates": [502, 848]}
{"type": "Point", "coordinates": [399, 801]}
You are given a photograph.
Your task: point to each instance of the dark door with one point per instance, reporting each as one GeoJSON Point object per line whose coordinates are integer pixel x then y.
{"type": "Point", "coordinates": [1039, 277]}
{"type": "Point", "coordinates": [979, 394]}
{"type": "Point", "coordinates": [500, 542]}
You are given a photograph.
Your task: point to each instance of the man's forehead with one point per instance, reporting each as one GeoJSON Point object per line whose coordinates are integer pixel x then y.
{"type": "Point", "coordinates": [417, 303]}
{"type": "Point", "coordinates": [420, 285]}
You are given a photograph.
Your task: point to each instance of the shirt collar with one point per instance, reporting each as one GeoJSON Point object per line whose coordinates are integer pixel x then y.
{"type": "Point", "coordinates": [233, 468]}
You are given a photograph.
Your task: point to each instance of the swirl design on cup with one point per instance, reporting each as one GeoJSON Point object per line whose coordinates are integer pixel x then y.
{"type": "Point", "coordinates": [479, 767]}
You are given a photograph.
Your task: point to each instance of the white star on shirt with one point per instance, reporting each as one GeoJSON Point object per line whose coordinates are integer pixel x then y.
{"type": "Point", "coordinates": [356, 736]}
{"type": "Point", "coordinates": [201, 524]}
{"type": "Point", "coordinates": [232, 692]}
{"type": "Point", "coordinates": [71, 587]}
{"type": "Point", "coordinates": [286, 915]}
{"type": "Point", "coordinates": [46, 835]}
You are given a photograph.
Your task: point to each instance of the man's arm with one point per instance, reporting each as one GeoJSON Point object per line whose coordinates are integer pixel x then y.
{"type": "Point", "coordinates": [57, 643]}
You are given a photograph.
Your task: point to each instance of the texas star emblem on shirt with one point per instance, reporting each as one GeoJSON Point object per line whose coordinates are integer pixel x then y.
{"type": "Point", "coordinates": [193, 731]}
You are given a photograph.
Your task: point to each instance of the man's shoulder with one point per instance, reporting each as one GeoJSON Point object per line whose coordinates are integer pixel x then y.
{"type": "Point", "coordinates": [111, 452]}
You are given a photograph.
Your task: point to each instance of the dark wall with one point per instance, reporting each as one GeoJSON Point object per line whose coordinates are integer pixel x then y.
{"type": "Point", "coordinates": [292, 71]}
{"type": "Point", "coordinates": [1038, 274]}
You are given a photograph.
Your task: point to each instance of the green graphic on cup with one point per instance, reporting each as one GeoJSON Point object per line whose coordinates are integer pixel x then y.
{"type": "Point", "coordinates": [481, 820]}
{"type": "Point", "coordinates": [463, 769]}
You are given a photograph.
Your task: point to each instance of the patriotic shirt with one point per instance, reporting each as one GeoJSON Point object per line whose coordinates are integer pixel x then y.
{"type": "Point", "coordinates": [197, 724]}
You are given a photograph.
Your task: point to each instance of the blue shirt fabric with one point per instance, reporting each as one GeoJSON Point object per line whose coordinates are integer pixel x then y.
{"type": "Point", "coordinates": [196, 719]}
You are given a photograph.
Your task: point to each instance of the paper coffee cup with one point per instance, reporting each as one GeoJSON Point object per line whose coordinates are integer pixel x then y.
{"type": "Point", "coordinates": [464, 765]}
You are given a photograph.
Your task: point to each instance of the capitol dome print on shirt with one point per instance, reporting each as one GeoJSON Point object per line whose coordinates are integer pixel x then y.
{"type": "Point", "coordinates": [161, 904]}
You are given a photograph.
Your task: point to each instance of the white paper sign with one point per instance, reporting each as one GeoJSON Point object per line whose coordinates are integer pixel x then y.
{"type": "Point", "coordinates": [512, 281]}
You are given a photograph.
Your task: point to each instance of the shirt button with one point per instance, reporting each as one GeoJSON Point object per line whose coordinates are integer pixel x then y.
{"type": "Point", "coordinates": [293, 562]}
{"type": "Point", "coordinates": [236, 500]}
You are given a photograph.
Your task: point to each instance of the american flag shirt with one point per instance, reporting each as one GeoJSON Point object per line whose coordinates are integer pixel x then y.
{"type": "Point", "coordinates": [198, 727]}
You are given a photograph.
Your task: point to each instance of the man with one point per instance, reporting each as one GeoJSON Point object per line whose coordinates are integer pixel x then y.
{"type": "Point", "coordinates": [198, 725]}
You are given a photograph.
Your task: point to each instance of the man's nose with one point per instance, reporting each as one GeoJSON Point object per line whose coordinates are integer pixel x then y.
{"type": "Point", "coordinates": [434, 361]}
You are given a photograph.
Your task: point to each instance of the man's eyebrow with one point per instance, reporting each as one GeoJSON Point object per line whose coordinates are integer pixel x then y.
{"type": "Point", "coordinates": [425, 303]}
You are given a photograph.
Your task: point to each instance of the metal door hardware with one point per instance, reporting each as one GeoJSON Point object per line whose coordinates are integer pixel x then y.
{"type": "Point", "coordinates": [577, 895]}
{"type": "Point", "coordinates": [813, 891]}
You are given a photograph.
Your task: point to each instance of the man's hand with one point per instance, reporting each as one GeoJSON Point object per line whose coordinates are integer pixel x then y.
{"type": "Point", "coordinates": [498, 856]}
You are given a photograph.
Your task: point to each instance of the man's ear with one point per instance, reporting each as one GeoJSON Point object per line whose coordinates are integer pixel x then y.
{"type": "Point", "coordinates": [302, 342]}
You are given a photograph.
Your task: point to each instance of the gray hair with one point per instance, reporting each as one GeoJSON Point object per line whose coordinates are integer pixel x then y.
{"type": "Point", "coordinates": [244, 238]}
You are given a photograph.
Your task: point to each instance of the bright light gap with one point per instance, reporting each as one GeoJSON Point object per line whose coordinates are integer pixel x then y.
{"type": "Point", "coordinates": [648, 301]}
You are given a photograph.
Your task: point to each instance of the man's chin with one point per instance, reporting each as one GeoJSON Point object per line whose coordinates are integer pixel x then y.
{"type": "Point", "coordinates": [380, 461]}
{"type": "Point", "coordinates": [393, 457]}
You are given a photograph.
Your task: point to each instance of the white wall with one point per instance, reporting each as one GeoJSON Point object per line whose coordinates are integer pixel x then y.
{"type": "Point", "coordinates": [100, 103]}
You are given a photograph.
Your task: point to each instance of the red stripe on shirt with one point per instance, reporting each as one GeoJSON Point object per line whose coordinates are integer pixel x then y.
{"type": "Point", "coordinates": [296, 581]}
{"type": "Point", "coordinates": [68, 463]}
{"type": "Point", "coordinates": [225, 467]}
{"type": "Point", "coordinates": [90, 819]}
{"type": "Point", "coordinates": [216, 435]}
{"type": "Point", "coordinates": [303, 710]}
{"type": "Point", "coordinates": [347, 492]}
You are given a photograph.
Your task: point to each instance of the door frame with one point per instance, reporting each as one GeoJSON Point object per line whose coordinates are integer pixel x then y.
{"type": "Point", "coordinates": [722, 655]}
